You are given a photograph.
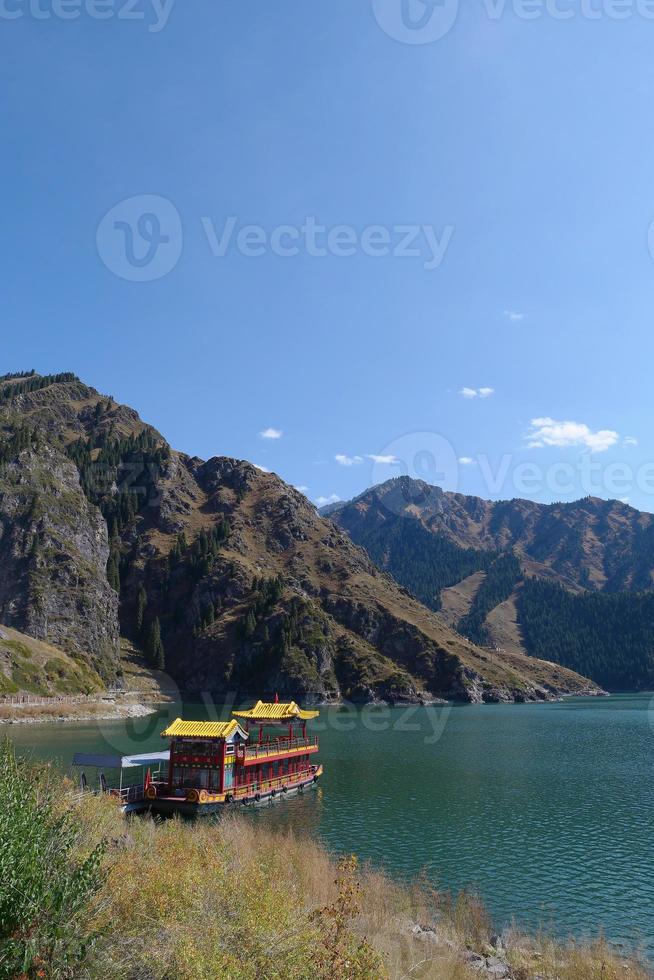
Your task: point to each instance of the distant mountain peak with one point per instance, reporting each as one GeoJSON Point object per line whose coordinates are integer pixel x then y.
{"type": "Point", "coordinates": [477, 562]}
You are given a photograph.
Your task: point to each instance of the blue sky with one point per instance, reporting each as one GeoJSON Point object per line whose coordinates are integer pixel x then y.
{"type": "Point", "coordinates": [521, 148]}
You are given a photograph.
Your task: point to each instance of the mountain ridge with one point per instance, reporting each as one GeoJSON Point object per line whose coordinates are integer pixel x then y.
{"type": "Point", "coordinates": [220, 570]}
{"type": "Point", "coordinates": [494, 569]}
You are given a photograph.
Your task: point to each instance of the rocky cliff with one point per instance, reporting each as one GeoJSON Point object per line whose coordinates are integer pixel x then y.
{"type": "Point", "coordinates": [53, 557]}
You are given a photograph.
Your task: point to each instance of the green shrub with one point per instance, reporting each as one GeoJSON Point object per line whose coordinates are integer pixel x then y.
{"type": "Point", "coordinates": [45, 884]}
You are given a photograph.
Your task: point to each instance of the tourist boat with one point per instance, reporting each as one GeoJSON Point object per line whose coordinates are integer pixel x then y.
{"type": "Point", "coordinates": [265, 756]}
{"type": "Point", "coordinates": [260, 755]}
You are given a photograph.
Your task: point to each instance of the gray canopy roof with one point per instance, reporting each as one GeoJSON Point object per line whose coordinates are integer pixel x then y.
{"type": "Point", "coordinates": [98, 761]}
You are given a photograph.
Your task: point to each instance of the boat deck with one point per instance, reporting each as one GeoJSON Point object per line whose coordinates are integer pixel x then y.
{"type": "Point", "coordinates": [262, 791]}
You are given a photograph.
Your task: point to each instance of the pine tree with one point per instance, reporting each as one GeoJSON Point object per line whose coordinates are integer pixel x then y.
{"type": "Point", "coordinates": [141, 604]}
{"type": "Point", "coordinates": [154, 647]}
{"type": "Point", "coordinates": [250, 625]}
{"type": "Point", "coordinates": [113, 567]}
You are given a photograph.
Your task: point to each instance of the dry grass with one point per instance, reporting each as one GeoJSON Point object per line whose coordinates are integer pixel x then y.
{"type": "Point", "coordinates": [572, 961]}
{"type": "Point", "coordinates": [231, 899]}
{"type": "Point", "coordinates": [43, 712]}
{"type": "Point", "coordinates": [77, 711]}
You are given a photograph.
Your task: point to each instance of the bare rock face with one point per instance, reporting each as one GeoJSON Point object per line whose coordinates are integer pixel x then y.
{"type": "Point", "coordinates": [53, 554]}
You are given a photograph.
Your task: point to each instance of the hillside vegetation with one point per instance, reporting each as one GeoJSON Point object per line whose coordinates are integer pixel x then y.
{"type": "Point", "coordinates": [31, 666]}
{"type": "Point", "coordinates": [608, 637]}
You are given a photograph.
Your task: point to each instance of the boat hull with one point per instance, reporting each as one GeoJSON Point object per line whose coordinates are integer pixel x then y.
{"type": "Point", "coordinates": [168, 805]}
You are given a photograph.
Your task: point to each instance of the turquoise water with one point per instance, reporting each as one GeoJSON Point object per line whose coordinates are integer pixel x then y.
{"type": "Point", "coordinates": [547, 809]}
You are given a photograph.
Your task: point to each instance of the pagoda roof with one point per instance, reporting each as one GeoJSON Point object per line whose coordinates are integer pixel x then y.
{"type": "Point", "coordinates": [276, 711]}
{"type": "Point", "coordinates": [203, 729]}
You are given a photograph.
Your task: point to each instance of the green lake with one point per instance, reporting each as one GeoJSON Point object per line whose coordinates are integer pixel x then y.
{"type": "Point", "coordinates": [548, 810]}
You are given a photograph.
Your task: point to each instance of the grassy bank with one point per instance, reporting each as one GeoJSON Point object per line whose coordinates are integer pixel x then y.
{"type": "Point", "coordinates": [88, 709]}
{"type": "Point", "coordinates": [85, 894]}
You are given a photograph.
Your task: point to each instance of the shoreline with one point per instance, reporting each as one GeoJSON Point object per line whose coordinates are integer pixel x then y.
{"type": "Point", "coordinates": [134, 704]}
{"type": "Point", "coordinates": [101, 708]}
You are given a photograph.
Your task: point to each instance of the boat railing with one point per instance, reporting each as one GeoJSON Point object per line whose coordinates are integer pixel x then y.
{"type": "Point", "coordinates": [261, 750]}
{"type": "Point", "coordinates": [277, 783]}
{"type": "Point", "coordinates": [135, 792]}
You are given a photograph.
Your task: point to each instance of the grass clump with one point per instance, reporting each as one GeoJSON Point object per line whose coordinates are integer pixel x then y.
{"type": "Point", "coordinates": [7, 685]}
{"type": "Point", "coordinates": [15, 646]}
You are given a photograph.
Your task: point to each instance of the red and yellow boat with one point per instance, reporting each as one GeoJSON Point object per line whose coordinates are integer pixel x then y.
{"type": "Point", "coordinates": [261, 754]}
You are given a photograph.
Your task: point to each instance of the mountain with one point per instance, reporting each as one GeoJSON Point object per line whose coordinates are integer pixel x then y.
{"type": "Point", "coordinates": [221, 572]}
{"type": "Point", "coordinates": [568, 582]}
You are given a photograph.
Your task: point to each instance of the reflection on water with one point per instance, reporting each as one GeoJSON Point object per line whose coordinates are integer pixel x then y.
{"type": "Point", "coordinates": [547, 809]}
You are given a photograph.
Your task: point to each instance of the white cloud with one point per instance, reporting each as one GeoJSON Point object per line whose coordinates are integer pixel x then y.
{"type": "Point", "coordinates": [381, 459]}
{"type": "Point", "coordinates": [264, 469]}
{"type": "Point", "coordinates": [303, 489]}
{"type": "Point", "coordinates": [323, 501]}
{"type": "Point", "coordinates": [466, 460]}
{"type": "Point", "coordinates": [271, 433]}
{"type": "Point", "coordinates": [513, 315]}
{"type": "Point", "coordinates": [343, 460]}
{"type": "Point", "coordinates": [548, 432]}
{"type": "Point", "coordinates": [630, 441]}
{"type": "Point", "coordinates": [477, 392]}
{"type": "Point", "coordinates": [384, 460]}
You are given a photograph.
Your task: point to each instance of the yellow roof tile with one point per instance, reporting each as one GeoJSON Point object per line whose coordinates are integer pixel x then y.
{"type": "Point", "coordinates": [274, 711]}
{"type": "Point", "coordinates": [203, 729]}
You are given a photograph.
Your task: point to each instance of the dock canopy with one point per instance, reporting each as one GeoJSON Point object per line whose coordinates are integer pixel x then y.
{"type": "Point", "coordinates": [203, 729]}
{"type": "Point", "coordinates": [95, 760]}
{"type": "Point", "coordinates": [276, 711]}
